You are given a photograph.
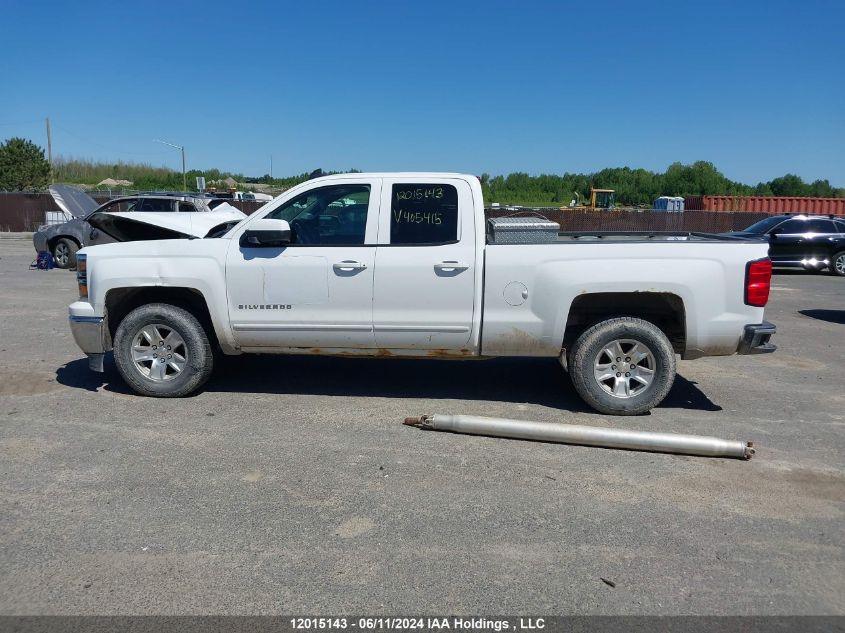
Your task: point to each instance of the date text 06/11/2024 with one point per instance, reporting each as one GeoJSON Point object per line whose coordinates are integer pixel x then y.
{"type": "Point", "coordinates": [416, 623]}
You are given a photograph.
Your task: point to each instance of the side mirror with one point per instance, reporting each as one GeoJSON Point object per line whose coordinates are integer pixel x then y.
{"type": "Point", "coordinates": [266, 232]}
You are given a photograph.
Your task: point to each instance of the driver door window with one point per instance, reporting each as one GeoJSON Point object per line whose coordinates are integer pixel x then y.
{"type": "Point", "coordinates": [328, 216]}
{"type": "Point", "coordinates": [790, 227]}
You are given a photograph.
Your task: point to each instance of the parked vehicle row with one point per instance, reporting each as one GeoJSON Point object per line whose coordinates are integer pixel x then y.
{"type": "Point", "coordinates": [129, 218]}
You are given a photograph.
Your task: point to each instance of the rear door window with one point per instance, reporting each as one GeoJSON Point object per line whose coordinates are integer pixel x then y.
{"type": "Point", "coordinates": [820, 226]}
{"type": "Point", "coordinates": [423, 213]}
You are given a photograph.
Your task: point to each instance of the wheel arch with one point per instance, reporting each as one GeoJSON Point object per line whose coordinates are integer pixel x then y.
{"type": "Point", "coordinates": [52, 241]}
{"type": "Point", "coordinates": [121, 301]}
{"type": "Point", "coordinates": [666, 310]}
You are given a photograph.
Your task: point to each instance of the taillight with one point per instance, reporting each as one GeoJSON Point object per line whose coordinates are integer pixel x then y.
{"type": "Point", "coordinates": [758, 282]}
{"type": "Point", "coordinates": [82, 275]}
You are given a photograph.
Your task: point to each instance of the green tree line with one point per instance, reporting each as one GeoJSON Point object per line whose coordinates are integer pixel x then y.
{"type": "Point", "coordinates": [640, 187]}
{"type": "Point", "coordinates": [23, 166]}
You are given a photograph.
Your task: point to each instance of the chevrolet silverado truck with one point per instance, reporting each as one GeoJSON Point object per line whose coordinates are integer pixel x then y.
{"type": "Point", "coordinates": [407, 264]}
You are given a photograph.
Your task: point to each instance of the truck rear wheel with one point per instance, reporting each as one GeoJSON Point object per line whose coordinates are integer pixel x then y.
{"type": "Point", "coordinates": [622, 366]}
{"type": "Point", "coordinates": [161, 350]}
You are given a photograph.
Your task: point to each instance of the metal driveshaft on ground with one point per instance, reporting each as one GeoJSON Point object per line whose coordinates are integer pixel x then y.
{"type": "Point", "coordinates": [586, 435]}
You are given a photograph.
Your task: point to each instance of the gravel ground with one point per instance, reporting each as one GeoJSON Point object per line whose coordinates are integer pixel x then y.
{"type": "Point", "coordinates": [290, 486]}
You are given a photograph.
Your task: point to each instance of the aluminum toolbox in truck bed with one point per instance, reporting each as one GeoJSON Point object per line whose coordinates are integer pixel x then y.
{"type": "Point", "coordinates": [521, 230]}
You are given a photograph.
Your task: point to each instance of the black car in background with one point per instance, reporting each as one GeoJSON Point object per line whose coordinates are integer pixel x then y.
{"type": "Point", "coordinates": [812, 242]}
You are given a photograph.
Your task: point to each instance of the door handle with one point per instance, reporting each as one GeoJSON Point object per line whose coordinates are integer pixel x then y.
{"type": "Point", "coordinates": [450, 266]}
{"type": "Point", "coordinates": [349, 265]}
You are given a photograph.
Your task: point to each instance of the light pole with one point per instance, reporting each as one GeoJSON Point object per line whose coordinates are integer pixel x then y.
{"type": "Point", "coordinates": [182, 148]}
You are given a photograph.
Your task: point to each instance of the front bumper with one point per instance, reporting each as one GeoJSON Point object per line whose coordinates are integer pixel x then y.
{"type": "Point", "coordinates": [90, 333]}
{"type": "Point", "coordinates": [755, 339]}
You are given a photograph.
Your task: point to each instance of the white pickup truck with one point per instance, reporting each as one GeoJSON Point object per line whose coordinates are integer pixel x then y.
{"type": "Point", "coordinates": [407, 264]}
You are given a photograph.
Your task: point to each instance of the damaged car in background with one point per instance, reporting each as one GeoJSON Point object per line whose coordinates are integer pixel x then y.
{"type": "Point", "coordinates": [130, 219]}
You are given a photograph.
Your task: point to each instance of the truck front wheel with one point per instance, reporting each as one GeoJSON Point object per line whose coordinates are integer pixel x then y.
{"type": "Point", "coordinates": [162, 350]}
{"type": "Point", "coordinates": [622, 366]}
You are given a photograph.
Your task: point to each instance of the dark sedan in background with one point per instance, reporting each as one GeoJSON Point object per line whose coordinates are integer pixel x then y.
{"type": "Point", "coordinates": [812, 242]}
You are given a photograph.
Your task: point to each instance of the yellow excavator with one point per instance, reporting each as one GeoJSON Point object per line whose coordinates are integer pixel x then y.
{"type": "Point", "coordinates": [602, 198]}
{"type": "Point", "coordinates": [599, 199]}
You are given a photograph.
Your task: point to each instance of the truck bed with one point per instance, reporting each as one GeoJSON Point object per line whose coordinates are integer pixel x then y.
{"type": "Point", "coordinates": [529, 289]}
{"type": "Point", "coordinates": [538, 229]}
{"type": "Point", "coordinates": [642, 236]}
{"type": "Point", "coordinates": [618, 236]}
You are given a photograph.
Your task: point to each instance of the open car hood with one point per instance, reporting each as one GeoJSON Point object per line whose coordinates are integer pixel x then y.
{"type": "Point", "coordinates": [137, 226]}
{"type": "Point", "coordinates": [73, 200]}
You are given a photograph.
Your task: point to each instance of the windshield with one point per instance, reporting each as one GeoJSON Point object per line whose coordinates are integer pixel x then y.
{"type": "Point", "coordinates": [763, 225]}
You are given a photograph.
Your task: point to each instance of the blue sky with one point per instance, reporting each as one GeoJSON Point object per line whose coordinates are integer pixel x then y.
{"type": "Point", "coordinates": [543, 87]}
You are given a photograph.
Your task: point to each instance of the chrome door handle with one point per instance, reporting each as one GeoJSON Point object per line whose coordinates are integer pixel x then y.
{"type": "Point", "coordinates": [349, 265]}
{"type": "Point", "coordinates": [450, 266]}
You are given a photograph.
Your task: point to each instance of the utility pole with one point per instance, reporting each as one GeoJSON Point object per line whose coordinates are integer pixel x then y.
{"type": "Point", "coordinates": [50, 148]}
{"type": "Point", "coordinates": [271, 167]}
{"type": "Point", "coordinates": [182, 149]}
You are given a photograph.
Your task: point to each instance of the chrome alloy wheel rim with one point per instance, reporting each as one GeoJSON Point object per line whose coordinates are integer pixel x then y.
{"type": "Point", "coordinates": [61, 253]}
{"type": "Point", "coordinates": [159, 352]}
{"type": "Point", "coordinates": [624, 368]}
{"type": "Point", "coordinates": [839, 264]}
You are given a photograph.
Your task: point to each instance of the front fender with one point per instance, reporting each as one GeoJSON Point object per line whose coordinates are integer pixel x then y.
{"type": "Point", "coordinates": [197, 265]}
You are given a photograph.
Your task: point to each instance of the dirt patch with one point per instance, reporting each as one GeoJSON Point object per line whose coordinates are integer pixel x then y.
{"type": "Point", "coordinates": [356, 526]}
{"type": "Point", "coordinates": [784, 492]}
{"type": "Point", "coordinates": [793, 362]}
{"type": "Point", "coordinates": [23, 449]}
{"type": "Point", "coordinates": [27, 383]}
{"type": "Point", "coordinates": [822, 484]}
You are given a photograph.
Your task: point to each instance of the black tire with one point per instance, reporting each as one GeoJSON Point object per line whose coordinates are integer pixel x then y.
{"type": "Point", "coordinates": [194, 347]}
{"type": "Point", "coordinates": [64, 253]}
{"type": "Point", "coordinates": [837, 264]}
{"type": "Point", "coordinates": [588, 350]}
